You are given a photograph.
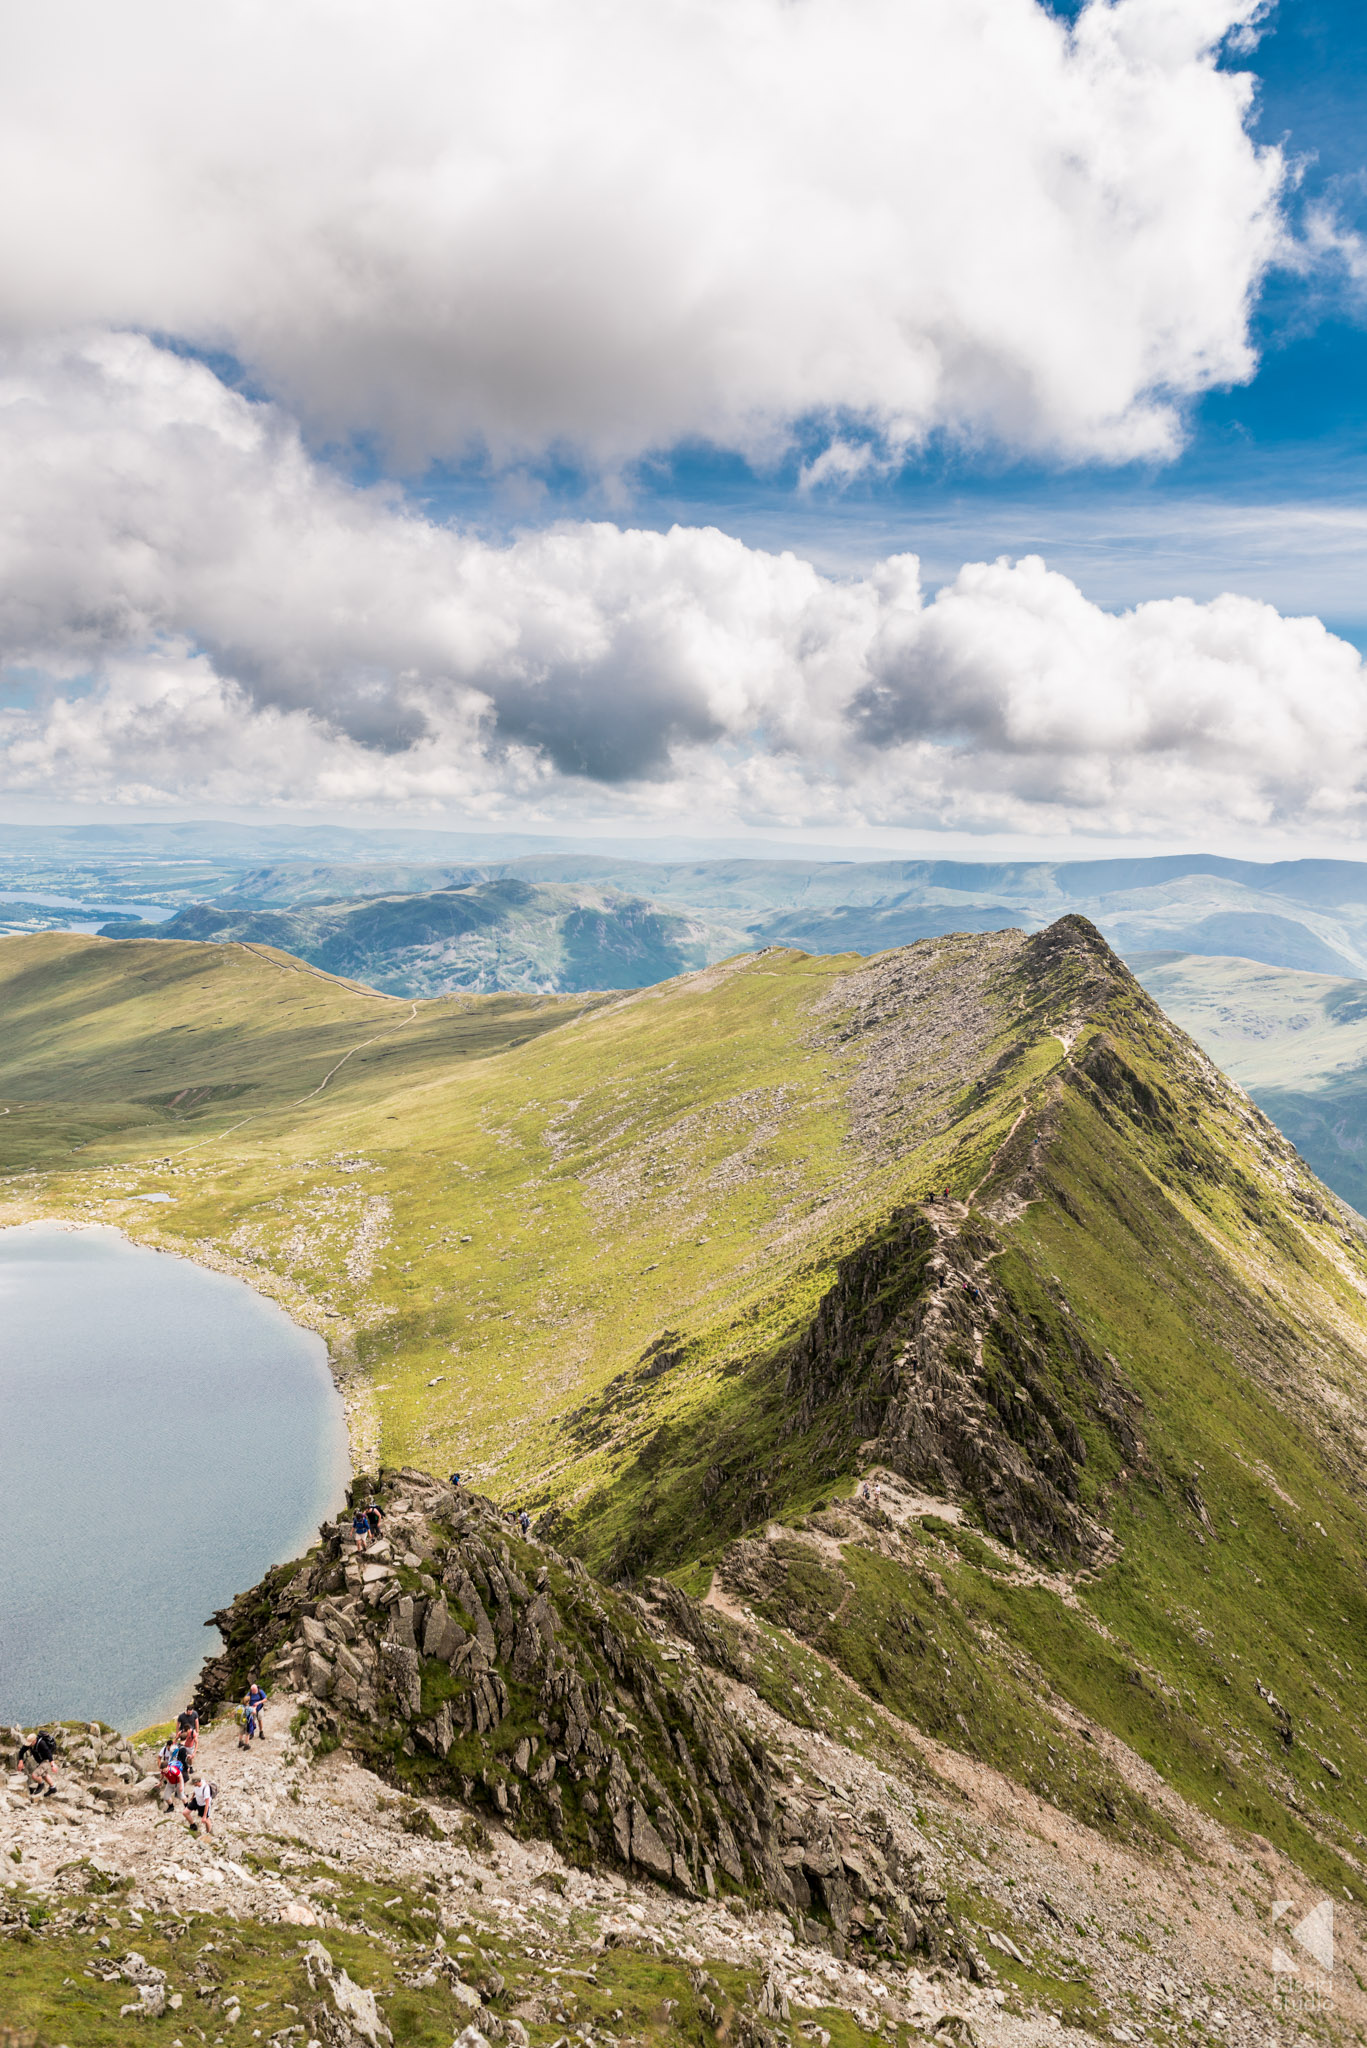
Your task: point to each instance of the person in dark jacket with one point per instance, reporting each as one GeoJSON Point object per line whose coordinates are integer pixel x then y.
{"type": "Point", "coordinates": [38, 1761]}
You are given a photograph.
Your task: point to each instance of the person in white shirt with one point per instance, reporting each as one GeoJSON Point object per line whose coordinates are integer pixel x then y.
{"type": "Point", "coordinates": [200, 1805]}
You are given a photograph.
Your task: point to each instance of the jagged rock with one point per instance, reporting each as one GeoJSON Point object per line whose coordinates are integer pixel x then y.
{"type": "Point", "coordinates": [350, 2017]}
{"type": "Point", "coordinates": [580, 1728]}
{"type": "Point", "coordinates": [403, 1673]}
{"type": "Point", "coordinates": [773, 2001]}
{"type": "Point", "coordinates": [647, 1849]}
{"type": "Point", "coordinates": [135, 1969]}
{"type": "Point", "coordinates": [442, 1633]}
{"type": "Point", "coordinates": [150, 2003]}
{"type": "Point", "coordinates": [901, 1337]}
{"type": "Point", "coordinates": [401, 1617]}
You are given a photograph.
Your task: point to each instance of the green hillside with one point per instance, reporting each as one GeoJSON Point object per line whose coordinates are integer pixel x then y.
{"type": "Point", "coordinates": [679, 1266]}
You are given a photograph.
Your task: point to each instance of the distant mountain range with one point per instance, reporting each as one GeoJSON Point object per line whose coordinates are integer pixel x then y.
{"type": "Point", "coordinates": [557, 916]}
{"type": "Point", "coordinates": [1262, 963]}
{"type": "Point", "coordinates": [496, 935]}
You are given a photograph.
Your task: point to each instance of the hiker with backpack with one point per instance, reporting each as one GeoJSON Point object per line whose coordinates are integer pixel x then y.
{"type": "Point", "coordinates": [187, 1732]}
{"type": "Point", "coordinates": [38, 1762]}
{"type": "Point", "coordinates": [200, 1805]}
{"type": "Point", "coordinates": [171, 1774]}
{"type": "Point", "coordinates": [246, 1725]}
{"type": "Point", "coordinates": [360, 1528]}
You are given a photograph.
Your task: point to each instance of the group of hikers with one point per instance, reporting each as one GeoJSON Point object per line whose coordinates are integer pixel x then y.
{"type": "Point", "coordinates": [366, 1521]}
{"type": "Point", "coordinates": [177, 1777]}
{"type": "Point", "coordinates": [365, 1524]}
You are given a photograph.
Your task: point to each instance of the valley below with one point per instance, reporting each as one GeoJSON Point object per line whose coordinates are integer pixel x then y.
{"type": "Point", "coordinates": [938, 1399]}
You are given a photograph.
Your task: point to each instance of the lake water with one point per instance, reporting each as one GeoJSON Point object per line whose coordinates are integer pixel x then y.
{"type": "Point", "coordinates": [165, 1435]}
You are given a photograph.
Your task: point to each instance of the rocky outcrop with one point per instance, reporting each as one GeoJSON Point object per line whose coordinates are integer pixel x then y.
{"type": "Point", "coordinates": [99, 1768]}
{"type": "Point", "coordinates": [456, 1656]}
{"type": "Point", "coordinates": [960, 1386]}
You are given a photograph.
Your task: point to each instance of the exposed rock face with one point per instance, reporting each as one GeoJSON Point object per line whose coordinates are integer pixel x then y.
{"type": "Point", "coordinates": [456, 1656]}
{"type": "Point", "coordinates": [963, 1389]}
{"type": "Point", "coordinates": [349, 2016]}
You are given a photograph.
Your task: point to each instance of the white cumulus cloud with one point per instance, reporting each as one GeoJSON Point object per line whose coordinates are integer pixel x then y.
{"type": "Point", "coordinates": [193, 608]}
{"type": "Point", "coordinates": [609, 228]}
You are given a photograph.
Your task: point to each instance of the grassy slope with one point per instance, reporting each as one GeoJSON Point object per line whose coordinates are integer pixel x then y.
{"type": "Point", "coordinates": [1241, 1553]}
{"type": "Point", "coordinates": [657, 1191]}
{"type": "Point", "coordinates": [584, 1151]}
{"type": "Point", "coordinates": [1192, 1248]}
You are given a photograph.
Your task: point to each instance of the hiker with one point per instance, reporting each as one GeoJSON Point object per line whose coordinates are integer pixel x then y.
{"type": "Point", "coordinates": [374, 1515]}
{"type": "Point", "coordinates": [256, 1700]}
{"type": "Point", "coordinates": [172, 1774]}
{"type": "Point", "coordinates": [524, 1521]}
{"type": "Point", "coordinates": [38, 1761]}
{"type": "Point", "coordinates": [246, 1724]}
{"type": "Point", "coordinates": [187, 1731]}
{"type": "Point", "coordinates": [455, 1482]}
{"type": "Point", "coordinates": [360, 1528]}
{"type": "Point", "coordinates": [200, 1805]}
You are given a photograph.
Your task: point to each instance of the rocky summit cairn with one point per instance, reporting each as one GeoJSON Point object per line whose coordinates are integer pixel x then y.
{"type": "Point", "coordinates": [456, 1657]}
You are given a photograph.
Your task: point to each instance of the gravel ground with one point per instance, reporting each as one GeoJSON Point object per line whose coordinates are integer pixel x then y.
{"type": "Point", "coordinates": [1173, 1948]}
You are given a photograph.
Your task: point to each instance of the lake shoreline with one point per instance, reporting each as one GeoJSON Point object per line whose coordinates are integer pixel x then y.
{"type": "Point", "coordinates": [172, 1433]}
{"type": "Point", "coordinates": [339, 1334]}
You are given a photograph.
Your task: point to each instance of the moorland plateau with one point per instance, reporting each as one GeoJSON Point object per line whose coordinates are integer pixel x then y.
{"type": "Point", "coordinates": [1046, 1731]}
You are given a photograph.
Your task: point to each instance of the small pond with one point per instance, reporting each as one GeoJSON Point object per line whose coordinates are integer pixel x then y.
{"type": "Point", "coordinates": [165, 1435]}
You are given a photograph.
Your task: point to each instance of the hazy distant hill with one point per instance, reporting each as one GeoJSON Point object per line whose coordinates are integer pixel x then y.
{"type": "Point", "coordinates": [1297, 1042]}
{"type": "Point", "coordinates": [496, 935]}
{"type": "Point", "coordinates": [1310, 915]}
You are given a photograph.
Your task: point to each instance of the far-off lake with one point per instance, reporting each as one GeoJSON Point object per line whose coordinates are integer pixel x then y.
{"type": "Point", "coordinates": [166, 1434]}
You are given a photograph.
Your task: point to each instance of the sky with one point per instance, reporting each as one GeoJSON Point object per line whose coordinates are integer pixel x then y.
{"type": "Point", "coordinates": [906, 422]}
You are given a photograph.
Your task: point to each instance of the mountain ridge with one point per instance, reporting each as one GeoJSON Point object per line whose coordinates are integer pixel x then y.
{"type": "Point", "coordinates": [687, 1269]}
